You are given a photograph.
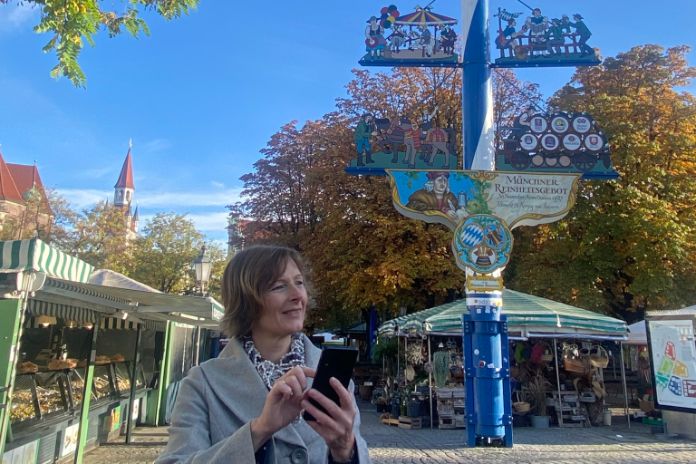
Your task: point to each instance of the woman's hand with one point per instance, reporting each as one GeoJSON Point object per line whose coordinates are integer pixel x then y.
{"type": "Point", "coordinates": [283, 404]}
{"type": "Point", "coordinates": [336, 424]}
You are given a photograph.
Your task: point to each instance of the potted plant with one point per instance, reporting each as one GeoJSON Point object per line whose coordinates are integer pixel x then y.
{"type": "Point", "coordinates": [535, 392]}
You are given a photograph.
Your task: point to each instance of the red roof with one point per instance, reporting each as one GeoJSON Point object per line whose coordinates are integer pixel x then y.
{"type": "Point", "coordinates": [25, 178]}
{"type": "Point", "coordinates": [8, 187]}
{"type": "Point", "coordinates": [125, 180]}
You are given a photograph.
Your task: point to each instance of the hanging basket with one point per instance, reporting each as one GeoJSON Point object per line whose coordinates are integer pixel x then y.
{"type": "Point", "coordinates": [599, 356]}
{"type": "Point", "coordinates": [575, 365]}
{"type": "Point", "coordinates": [521, 407]}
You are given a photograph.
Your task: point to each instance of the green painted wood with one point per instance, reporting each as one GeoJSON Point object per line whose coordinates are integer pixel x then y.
{"type": "Point", "coordinates": [164, 373]}
{"type": "Point", "coordinates": [10, 333]}
{"type": "Point", "coordinates": [86, 398]}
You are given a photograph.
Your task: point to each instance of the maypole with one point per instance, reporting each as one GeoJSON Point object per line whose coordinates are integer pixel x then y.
{"type": "Point", "coordinates": [544, 156]}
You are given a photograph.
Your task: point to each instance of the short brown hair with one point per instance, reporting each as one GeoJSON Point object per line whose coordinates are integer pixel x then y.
{"type": "Point", "coordinates": [247, 277]}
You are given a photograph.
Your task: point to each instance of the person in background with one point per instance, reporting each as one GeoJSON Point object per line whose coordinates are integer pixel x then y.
{"type": "Point", "coordinates": [246, 405]}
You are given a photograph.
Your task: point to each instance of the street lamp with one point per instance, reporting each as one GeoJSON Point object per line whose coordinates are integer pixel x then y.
{"type": "Point", "coordinates": [202, 267]}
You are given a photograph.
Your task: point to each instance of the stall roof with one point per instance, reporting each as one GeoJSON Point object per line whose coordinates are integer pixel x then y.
{"type": "Point", "coordinates": [35, 255]}
{"type": "Point", "coordinates": [71, 287]}
{"type": "Point", "coordinates": [395, 326]}
{"type": "Point", "coordinates": [636, 334]}
{"type": "Point", "coordinates": [533, 316]}
{"type": "Point", "coordinates": [528, 316]}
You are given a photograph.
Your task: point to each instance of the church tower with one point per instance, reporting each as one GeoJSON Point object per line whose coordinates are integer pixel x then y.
{"type": "Point", "coordinates": [124, 191]}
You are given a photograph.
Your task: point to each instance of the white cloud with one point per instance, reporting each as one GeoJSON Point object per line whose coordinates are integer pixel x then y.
{"type": "Point", "coordinates": [176, 201]}
{"type": "Point", "coordinates": [17, 16]}
{"type": "Point", "coordinates": [217, 184]}
{"type": "Point", "coordinates": [155, 145]}
{"type": "Point", "coordinates": [188, 199]}
{"type": "Point", "coordinates": [85, 198]}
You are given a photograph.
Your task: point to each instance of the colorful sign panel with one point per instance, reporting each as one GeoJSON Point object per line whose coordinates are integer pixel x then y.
{"type": "Point", "coordinates": [482, 207]}
{"type": "Point", "coordinates": [419, 38]}
{"type": "Point", "coordinates": [397, 143]}
{"type": "Point", "coordinates": [559, 142]}
{"type": "Point", "coordinates": [535, 40]}
{"type": "Point", "coordinates": [673, 352]}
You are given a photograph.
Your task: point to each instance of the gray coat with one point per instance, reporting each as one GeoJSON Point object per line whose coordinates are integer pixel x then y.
{"type": "Point", "coordinates": [216, 402]}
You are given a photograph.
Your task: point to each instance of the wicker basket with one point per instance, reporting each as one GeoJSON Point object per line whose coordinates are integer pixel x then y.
{"type": "Point", "coordinates": [575, 365]}
{"type": "Point", "coordinates": [521, 407]}
{"type": "Point", "coordinates": [599, 356]}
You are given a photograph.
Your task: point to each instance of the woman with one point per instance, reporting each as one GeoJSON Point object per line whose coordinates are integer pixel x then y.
{"type": "Point", "coordinates": [247, 404]}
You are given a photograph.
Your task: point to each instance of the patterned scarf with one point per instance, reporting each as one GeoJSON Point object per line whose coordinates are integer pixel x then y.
{"type": "Point", "coordinates": [270, 371]}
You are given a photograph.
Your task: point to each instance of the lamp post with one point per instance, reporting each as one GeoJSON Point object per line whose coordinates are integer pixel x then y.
{"type": "Point", "coordinates": [202, 267]}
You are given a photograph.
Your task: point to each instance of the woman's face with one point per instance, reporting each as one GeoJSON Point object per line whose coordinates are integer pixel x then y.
{"type": "Point", "coordinates": [284, 305]}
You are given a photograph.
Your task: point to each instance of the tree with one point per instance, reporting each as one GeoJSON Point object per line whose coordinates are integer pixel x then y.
{"type": "Point", "coordinates": [628, 245]}
{"type": "Point", "coordinates": [74, 21]}
{"type": "Point", "coordinates": [164, 252]}
{"type": "Point", "coordinates": [99, 238]}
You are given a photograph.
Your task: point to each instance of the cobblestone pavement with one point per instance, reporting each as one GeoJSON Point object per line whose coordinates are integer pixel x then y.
{"type": "Point", "coordinates": [392, 445]}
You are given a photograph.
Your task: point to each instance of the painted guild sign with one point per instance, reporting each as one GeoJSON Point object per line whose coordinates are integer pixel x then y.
{"type": "Point", "coordinates": [421, 38]}
{"type": "Point", "coordinates": [560, 142]}
{"type": "Point", "coordinates": [538, 40]}
{"type": "Point", "coordinates": [482, 207]}
{"type": "Point", "coordinates": [398, 143]}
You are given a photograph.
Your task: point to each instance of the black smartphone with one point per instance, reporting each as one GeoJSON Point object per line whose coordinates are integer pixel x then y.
{"type": "Point", "coordinates": [336, 362]}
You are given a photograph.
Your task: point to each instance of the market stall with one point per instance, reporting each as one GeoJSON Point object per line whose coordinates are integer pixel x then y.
{"type": "Point", "coordinates": [78, 358]}
{"type": "Point", "coordinates": [562, 349]}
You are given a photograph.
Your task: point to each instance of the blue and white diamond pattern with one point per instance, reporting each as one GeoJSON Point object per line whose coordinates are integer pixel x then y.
{"type": "Point", "coordinates": [472, 235]}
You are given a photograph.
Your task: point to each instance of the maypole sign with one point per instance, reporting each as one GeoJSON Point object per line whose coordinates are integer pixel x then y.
{"type": "Point", "coordinates": [531, 179]}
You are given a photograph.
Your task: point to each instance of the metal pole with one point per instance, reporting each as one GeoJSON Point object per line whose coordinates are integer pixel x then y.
{"type": "Point", "coordinates": [430, 381]}
{"type": "Point", "coordinates": [133, 386]}
{"type": "Point", "coordinates": [477, 89]}
{"type": "Point", "coordinates": [558, 383]}
{"type": "Point", "coordinates": [625, 389]}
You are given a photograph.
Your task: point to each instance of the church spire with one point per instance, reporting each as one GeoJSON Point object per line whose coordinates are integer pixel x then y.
{"type": "Point", "coordinates": [125, 187]}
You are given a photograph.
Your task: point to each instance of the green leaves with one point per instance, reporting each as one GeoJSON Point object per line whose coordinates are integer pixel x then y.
{"type": "Point", "coordinates": [75, 21]}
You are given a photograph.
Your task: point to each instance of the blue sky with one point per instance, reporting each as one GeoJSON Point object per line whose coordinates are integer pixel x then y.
{"type": "Point", "coordinates": [203, 94]}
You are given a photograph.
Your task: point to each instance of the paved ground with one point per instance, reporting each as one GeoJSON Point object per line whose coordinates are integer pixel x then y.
{"type": "Point", "coordinates": [392, 445]}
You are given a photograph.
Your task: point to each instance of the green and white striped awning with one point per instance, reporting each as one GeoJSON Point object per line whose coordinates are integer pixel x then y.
{"type": "Point", "coordinates": [533, 316]}
{"type": "Point", "coordinates": [409, 324]}
{"type": "Point", "coordinates": [35, 255]}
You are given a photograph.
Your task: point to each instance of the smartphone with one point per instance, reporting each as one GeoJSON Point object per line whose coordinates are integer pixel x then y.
{"type": "Point", "coordinates": [334, 362]}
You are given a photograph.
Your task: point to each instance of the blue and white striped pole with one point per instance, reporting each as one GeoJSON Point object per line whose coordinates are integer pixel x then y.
{"type": "Point", "coordinates": [485, 340]}
{"type": "Point", "coordinates": [477, 95]}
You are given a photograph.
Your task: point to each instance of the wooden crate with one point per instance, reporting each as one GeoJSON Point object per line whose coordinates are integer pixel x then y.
{"type": "Point", "coordinates": [386, 419]}
{"type": "Point", "coordinates": [446, 422]}
{"type": "Point", "coordinates": [406, 422]}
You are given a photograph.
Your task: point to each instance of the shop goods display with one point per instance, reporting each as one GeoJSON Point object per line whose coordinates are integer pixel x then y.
{"type": "Point", "coordinates": [59, 364]}
{"type": "Point", "coordinates": [27, 367]}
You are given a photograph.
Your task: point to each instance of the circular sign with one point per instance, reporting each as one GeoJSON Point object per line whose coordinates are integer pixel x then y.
{"type": "Point", "coordinates": [559, 124]}
{"type": "Point", "coordinates": [550, 142]}
{"type": "Point", "coordinates": [582, 124]}
{"type": "Point", "coordinates": [483, 243]}
{"type": "Point", "coordinates": [571, 142]}
{"type": "Point", "coordinates": [538, 124]}
{"type": "Point", "coordinates": [528, 142]}
{"type": "Point", "coordinates": [594, 142]}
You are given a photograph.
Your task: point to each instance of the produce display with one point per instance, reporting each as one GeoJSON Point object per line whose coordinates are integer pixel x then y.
{"type": "Point", "coordinates": [22, 406]}
{"type": "Point", "coordinates": [49, 397]}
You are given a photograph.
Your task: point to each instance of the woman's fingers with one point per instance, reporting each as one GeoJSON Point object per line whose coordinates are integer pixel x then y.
{"type": "Point", "coordinates": [344, 396]}
{"type": "Point", "coordinates": [343, 413]}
